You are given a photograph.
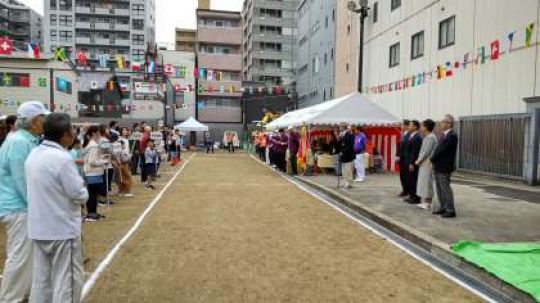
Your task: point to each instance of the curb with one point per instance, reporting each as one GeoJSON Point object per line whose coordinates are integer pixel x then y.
{"type": "Point", "coordinates": [431, 245]}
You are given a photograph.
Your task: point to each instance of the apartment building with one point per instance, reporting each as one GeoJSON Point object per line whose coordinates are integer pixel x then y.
{"type": "Point", "coordinates": [316, 51]}
{"type": "Point", "coordinates": [185, 40]}
{"type": "Point", "coordinates": [269, 42]}
{"type": "Point", "coordinates": [20, 23]}
{"type": "Point", "coordinates": [116, 27]}
{"type": "Point", "coordinates": [219, 52]}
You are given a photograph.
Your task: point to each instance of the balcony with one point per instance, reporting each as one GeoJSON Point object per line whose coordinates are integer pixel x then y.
{"type": "Point", "coordinates": [102, 11]}
{"type": "Point", "coordinates": [102, 26]}
{"type": "Point", "coordinates": [19, 18]}
{"type": "Point", "coordinates": [83, 25]}
{"type": "Point", "coordinates": [82, 10]}
{"type": "Point", "coordinates": [221, 62]}
{"type": "Point", "coordinates": [100, 41]}
{"type": "Point", "coordinates": [121, 42]}
{"type": "Point", "coordinates": [121, 27]}
{"type": "Point", "coordinates": [218, 35]}
{"type": "Point", "coordinates": [82, 40]}
{"type": "Point", "coordinates": [121, 12]}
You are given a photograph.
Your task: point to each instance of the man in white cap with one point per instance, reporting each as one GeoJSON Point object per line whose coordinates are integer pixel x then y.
{"type": "Point", "coordinates": [17, 277]}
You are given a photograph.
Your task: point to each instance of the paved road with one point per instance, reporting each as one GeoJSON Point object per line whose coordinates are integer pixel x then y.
{"type": "Point", "coordinates": [231, 230]}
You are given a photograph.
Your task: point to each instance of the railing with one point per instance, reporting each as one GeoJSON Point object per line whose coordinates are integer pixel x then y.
{"type": "Point", "coordinates": [494, 144]}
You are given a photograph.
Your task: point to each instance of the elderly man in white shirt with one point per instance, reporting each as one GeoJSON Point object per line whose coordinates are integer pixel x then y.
{"type": "Point", "coordinates": [55, 197]}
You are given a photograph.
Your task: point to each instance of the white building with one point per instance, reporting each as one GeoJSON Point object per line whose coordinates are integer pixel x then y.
{"type": "Point", "coordinates": [427, 58]}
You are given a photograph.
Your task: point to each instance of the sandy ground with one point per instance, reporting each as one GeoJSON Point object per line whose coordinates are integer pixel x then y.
{"type": "Point", "coordinates": [231, 230]}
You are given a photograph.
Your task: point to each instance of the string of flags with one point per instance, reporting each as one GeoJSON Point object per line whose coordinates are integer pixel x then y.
{"type": "Point", "coordinates": [447, 70]}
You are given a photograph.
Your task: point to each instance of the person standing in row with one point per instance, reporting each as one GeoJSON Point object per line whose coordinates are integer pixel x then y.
{"type": "Point", "coordinates": [402, 155]}
{"type": "Point", "coordinates": [124, 187]}
{"type": "Point", "coordinates": [145, 138]}
{"type": "Point", "coordinates": [359, 150]}
{"type": "Point", "coordinates": [150, 164]}
{"type": "Point", "coordinates": [294, 145]}
{"type": "Point", "coordinates": [94, 171]}
{"type": "Point", "coordinates": [348, 156]}
{"type": "Point", "coordinates": [444, 159]}
{"type": "Point", "coordinates": [17, 277]}
{"type": "Point", "coordinates": [54, 215]}
{"type": "Point", "coordinates": [413, 152]}
{"type": "Point", "coordinates": [425, 174]}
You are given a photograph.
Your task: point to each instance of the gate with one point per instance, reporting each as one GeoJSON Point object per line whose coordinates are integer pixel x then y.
{"type": "Point", "coordinates": [494, 144]}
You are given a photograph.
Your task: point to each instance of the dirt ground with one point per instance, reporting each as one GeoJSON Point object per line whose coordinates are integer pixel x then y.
{"type": "Point", "coordinates": [231, 230]}
{"type": "Point", "coordinates": [100, 237]}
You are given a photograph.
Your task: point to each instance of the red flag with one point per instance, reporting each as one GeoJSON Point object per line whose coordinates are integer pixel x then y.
{"type": "Point", "coordinates": [24, 81]}
{"type": "Point", "coordinates": [495, 50]}
{"type": "Point", "coordinates": [81, 58]}
{"type": "Point", "coordinates": [6, 46]}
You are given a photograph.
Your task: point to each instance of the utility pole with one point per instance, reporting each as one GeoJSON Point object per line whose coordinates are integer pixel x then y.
{"type": "Point", "coordinates": [363, 12]}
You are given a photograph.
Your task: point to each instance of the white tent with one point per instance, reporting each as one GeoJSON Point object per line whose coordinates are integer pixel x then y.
{"type": "Point", "coordinates": [353, 109]}
{"type": "Point", "coordinates": [191, 125]}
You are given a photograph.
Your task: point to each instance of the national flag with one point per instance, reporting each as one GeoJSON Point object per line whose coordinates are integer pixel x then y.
{"type": "Point", "coordinates": [6, 46]}
{"type": "Point", "coordinates": [169, 69]}
{"type": "Point", "coordinates": [81, 58]}
{"type": "Point", "coordinates": [24, 81]}
{"type": "Point", "coordinates": [202, 73]}
{"type": "Point", "coordinates": [495, 51]}
{"type": "Point", "coordinates": [151, 67]}
{"type": "Point", "coordinates": [441, 72]}
{"type": "Point", "coordinates": [528, 34]}
{"type": "Point", "coordinates": [449, 72]}
{"type": "Point", "coordinates": [511, 41]}
{"type": "Point", "coordinates": [33, 51]}
{"type": "Point", "coordinates": [60, 54]}
{"type": "Point", "coordinates": [103, 60]}
{"type": "Point", "coordinates": [120, 62]}
{"type": "Point", "coordinates": [482, 55]}
{"type": "Point", "coordinates": [196, 73]}
{"type": "Point", "coordinates": [136, 66]}
{"type": "Point", "coordinates": [210, 75]}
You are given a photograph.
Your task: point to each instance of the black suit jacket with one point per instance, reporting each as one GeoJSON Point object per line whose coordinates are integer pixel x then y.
{"type": "Point", "coordinates": [444, 157]}
{"type": "Point", "coordinates": [402, 150]}
{"type": "Point", "coordinates": [413, 149]}
{"type": "Point", "coordinates": [347, 148]}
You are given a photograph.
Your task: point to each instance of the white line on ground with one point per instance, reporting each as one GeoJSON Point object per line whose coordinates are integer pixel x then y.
{"type": "Point", "coordinates": [108, 259]}
{"type": "Point", "coordinates": [398, 245]}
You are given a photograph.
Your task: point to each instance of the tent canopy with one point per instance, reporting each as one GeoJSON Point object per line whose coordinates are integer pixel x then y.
{"type": "Point", "coordinates": [353, 109]}
{"type": "Point", "coordinates": [191, 125]}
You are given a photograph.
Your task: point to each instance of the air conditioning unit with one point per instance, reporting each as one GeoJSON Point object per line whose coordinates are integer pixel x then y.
{"type": "Point", "coordinates": [94, 85]}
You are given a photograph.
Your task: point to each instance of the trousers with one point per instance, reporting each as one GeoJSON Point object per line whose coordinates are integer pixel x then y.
{"type": "Point", "coordinates": [17, 278]}
{"type": "Point", "coordinates": [444, 192]}
{"type": "Point", "coordinates": [58, 271]}
{"type": "Point", "coordinates": [359, 166]}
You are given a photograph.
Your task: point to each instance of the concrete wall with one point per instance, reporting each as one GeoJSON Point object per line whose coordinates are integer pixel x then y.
{"type": "Point", "coordinates": [346, 53]}
{"type": "Point", "coordinates": [187, 59]}
{"type": "Point", "coordinates": [11, 97]}
{"type": "Point", "coordinates": [492, 88]}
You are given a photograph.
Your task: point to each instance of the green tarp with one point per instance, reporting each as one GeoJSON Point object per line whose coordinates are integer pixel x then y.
{"type": "Point", "coordinates": [516, 263]}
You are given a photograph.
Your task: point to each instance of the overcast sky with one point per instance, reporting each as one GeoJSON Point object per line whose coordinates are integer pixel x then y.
{"type": "Point", "coordinates": [170, 14]}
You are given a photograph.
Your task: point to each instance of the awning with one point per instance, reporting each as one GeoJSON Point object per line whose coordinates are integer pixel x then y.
{"type": "Point", "coordinates": [191, 125]}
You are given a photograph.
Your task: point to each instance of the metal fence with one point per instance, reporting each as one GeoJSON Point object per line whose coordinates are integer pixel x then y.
{"type": "Point", "coordinates": [494, 144]}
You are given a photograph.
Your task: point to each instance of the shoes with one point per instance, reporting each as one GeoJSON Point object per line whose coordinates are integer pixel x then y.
{"type": "Point", "coordinates": [413, 201]}
{"type": "Point", "coordinates": [439, 212]}
{"type": "Point", "coordinates": [128, 195]}
{"type": "Point", "coordinates": [104, 202]}
{"type": "Point", "coordinates": [448, 215]}
{"type": "Point", "coordinates": [359, 180]}
{"type": "Point", "coordinates": [92, 218]}
{"type": "Point", "coordinates": [403, 194]}
{"type": "Point", "coordinates": [149, 187]}
{"type": "Point", "coordinates": [425, 206]}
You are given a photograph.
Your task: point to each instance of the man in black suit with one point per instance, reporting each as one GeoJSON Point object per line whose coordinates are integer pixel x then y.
{"type": "Point", "coordinates": [402, 154]}
{"type": "Point", "coordinates": [413, 151]}
{"type": "Point", "coordinates": [444, 159]}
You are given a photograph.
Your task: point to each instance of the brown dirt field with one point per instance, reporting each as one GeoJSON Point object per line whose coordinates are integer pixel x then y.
{"type": "Point", "coordinates": [231, 230]}
{"type": "Point", "coordinates": [100, 237]}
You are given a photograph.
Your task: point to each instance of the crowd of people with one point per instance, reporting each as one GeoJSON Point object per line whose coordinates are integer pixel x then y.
{"type": "Point", "coordinates": [426, 160]}
{"type": "Point", "coordinates": [57, 175]}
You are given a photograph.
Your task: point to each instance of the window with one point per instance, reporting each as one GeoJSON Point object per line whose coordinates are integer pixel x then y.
{"type": "Point", "coordinates": [349, 29]}
{"type": "Point", "coordinates": [137, 24]}
{"type": "Point", "coordinates": [417, 45]}
{"type": "Point", "coordinates": [137, 9]}
{"type": "Point", "coordinates": [375, 12]}
{"type": "Point", "coordinates": [65, 5]}
{"type": "Point", "coordinates": [395, 4]}
{"type": "Point", "coordinates": [326, 22]}
{"type": "Point", "coordinates": [54, 35]}
{"type": "Point", "coordinates": [315, 64]}
{"type": "Point", "coordinates": [137, 54]}
{"type": "Point", "coordinates": [394, 55]}
{"type": "Point", "coordinates": [66, 20]}
{"type": "Point", "coordinates": [63, 85]}
{"type": "Point", "coordinates": [333, 15]}
{"type": "Point", "coordinates": [447, 32]}
{"type": "Point", "coordinates": [53, 4]}
{"type": "Point", "coordinates": [138, 39]}
{"type": "Point", "coordinates": [325, 58]}
{"type": "Point", "coordinates": [332, 54]}
{"type": "Point", "coordinates": [66, 36]}
{"type": "Point", "coordinates": [53, 19]}
{"type": "Point", "coordinates": [14, 80]}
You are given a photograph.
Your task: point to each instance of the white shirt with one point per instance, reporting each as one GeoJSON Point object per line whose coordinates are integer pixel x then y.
{"type": "Point", "coordinates": [446, 132]}
{"type": "Point", "coordinates": [55, 194]}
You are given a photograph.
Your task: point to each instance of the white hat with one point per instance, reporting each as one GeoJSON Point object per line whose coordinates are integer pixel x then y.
{"type": "Point", "coordinates": [32, 109]}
